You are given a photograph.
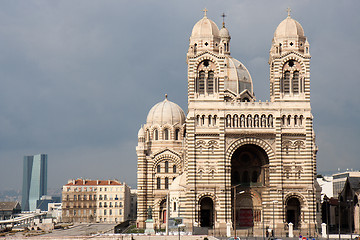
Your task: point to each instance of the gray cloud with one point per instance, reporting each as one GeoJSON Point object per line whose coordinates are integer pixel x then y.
{"type": "Point", "coordinates": [79, 77]}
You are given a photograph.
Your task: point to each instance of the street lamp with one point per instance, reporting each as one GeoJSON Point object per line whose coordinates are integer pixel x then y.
{"type": "Point", "coordinates": [327, 216]}
{"type": "Point", "coordinates": [241, 192]}
{"type": "Point", "coordinates": [273, 202]}
{"type": "Point", "coordinates": [339, 205]}
{"type": "Point", "coordinates": [327, 202]}
{"type": "Point", "coordinates": [181, 225]}
{"type": "Point", "coordinates": [263, 219]}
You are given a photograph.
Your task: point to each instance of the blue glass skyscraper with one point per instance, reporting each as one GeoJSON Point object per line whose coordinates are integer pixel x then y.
{"type": "Point", "coordinates": [34, 181]}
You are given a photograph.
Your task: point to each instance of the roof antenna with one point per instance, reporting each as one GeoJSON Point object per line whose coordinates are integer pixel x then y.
{"type": "Point", "coordinates": [223, 16]}
{"type": "Point", "coordinates": [288, 10]}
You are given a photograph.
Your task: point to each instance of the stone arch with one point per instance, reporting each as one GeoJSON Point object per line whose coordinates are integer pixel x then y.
{"type": "Point", "coordinates": [168, 156]}
{"type": "Point", "coordinates": [209, 58]}
{"type": "Point", "coordinates": [294, 58]}
{"type": "Point", "coordinates": [249, 140]}
{"type": "Point", "coordinates": [207, 194]}
{"type": "Point", "coordinates": [294, 205]}
{"type": "Point", "coordinates": [301, 198]}
{"type": "Point", "coordinates": [206, 205]}
{"type": "Point", "coordinates": [206, 75]}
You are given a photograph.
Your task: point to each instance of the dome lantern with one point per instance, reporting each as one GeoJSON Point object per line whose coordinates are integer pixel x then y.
{"type": "Point", "coordinates": [289, 36]}
{"type": "Point", "coordinates": [205, 36]}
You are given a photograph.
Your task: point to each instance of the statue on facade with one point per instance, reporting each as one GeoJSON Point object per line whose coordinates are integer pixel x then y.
{"type": "Point", "coordinates": [149, 213]}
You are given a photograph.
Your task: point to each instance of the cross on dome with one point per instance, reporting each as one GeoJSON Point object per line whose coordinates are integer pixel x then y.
{"type": "Point", "coordinates": [288, 11]}
{"type": "Point", "coordinates": [223, 16]}
{"type": "Point", "coordinates": [205, 11]}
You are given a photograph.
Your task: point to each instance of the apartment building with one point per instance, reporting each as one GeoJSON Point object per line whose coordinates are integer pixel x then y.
{"type": "Point", "coordinates": [86, 200]}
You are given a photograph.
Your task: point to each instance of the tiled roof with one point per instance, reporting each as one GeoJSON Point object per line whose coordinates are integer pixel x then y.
{"type": "Point", "coordinates": [85, 182]}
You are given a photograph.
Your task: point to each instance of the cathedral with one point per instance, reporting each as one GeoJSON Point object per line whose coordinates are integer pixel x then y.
{"type": "Point", "coordinates": [232, 161]}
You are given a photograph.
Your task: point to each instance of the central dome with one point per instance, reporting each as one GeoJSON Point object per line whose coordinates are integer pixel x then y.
{"type": "Point", "coordinates": [239, 77]}
{"type": "Point", "coordinates": [166, 112]}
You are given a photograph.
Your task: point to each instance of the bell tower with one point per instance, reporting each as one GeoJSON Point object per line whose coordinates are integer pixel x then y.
{"type": "Point", "coordinates": [289, 63]}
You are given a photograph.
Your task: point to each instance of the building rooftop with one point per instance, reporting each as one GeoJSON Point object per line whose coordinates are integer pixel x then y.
{"type": "Point", "coordinates": [86, 182]}
{"type": "Point", "coordinates": [8, 206]}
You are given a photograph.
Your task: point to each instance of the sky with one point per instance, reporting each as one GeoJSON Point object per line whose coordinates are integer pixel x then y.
{"type": "Point", "coordinates": [78, 78]}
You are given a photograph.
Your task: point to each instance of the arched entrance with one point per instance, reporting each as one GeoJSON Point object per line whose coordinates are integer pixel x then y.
{"type": "Point", "coordinates": [249, 165]}
{"type": "Point", "coordinates": [162, 211]}
{"type": "Point", "coordinates": [206, 212]}
{"type": "Point", "coordinates": [249, 169]}
{"type": "Point", "coordinates": [293, 212]}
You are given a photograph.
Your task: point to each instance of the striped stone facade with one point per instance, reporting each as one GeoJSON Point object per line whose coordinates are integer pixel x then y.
{"type": "Point", "coordinates": [263, 152]}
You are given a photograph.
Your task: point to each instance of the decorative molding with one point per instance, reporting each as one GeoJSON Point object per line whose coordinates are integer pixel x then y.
{"type": "Point", "coordinates": [207, 144]}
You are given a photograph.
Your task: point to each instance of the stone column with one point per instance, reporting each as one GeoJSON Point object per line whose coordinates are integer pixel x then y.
{"type": "Point", "coordinates": [228, 229]}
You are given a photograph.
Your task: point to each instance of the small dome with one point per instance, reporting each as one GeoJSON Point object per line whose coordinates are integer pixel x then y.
{"type": "Point", "coordinates": [141, 133]}
{"type": "Point", "coordinates": [224, 33]}
{"type": "Point", "coordinates": [166, 112]}
{"type": "Point", "coordinates": [289, 28]}
{"type": "Point", "coordinates": [205, 28]}
{"type": "Point", "coordinates": [239, 77]}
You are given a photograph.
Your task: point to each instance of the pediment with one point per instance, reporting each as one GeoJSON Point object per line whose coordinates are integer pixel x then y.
{"type": "Point", "coordinates": [165, 151]}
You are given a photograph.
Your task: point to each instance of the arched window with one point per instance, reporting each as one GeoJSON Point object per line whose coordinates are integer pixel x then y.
{"type": "Point", "coordinates": [210, 83]}
{"type": "Point", "coordinates": [263, 120]}
{"type": "Point", "coordinates": [177, 134]}
{"type": "Point", "coordinates": [156, 134]}
{"type": "Point", "coordinates": [295, 82]}
{"type": "Point", "coordinates": [158, 168]}
{"type": "Point", "coordinates": [214, 120]}
{"type": "Point", "coordinates": [286, 82]}
{"type": "Point", "coordinates": [249, 121]}
{"type": "Point", "coordinates": [236, 121]}
{"type": "Point", "coordinates": [209, 119]}
{"type": "Point", "coordinates": [289, 120]}
{"type": "Point", "coordinates": [201, 82]}
{"type": "Point", "coordinates": [166, 166]}
{"type": "Point", "coordinates": [166, 134]}
{"type": "Point", "coordinates": [254, 176]}
{"type": "Point", "coordinates": [203, 120]}
{"type": "Point", "coordinates": [256, 120]}
{"type": "Point", "coordinates": [158, 183]}
{"type": "Point", "coordinates": [270, 121]}
{"type": "Point", "coordinates": [174, 169]}
{"type": "Point", "coordinates": [295, 120]}
{"type": "Point", "coordinates": [166, 183]}
{"type": "Point", "coordinates": [228, 121]}
{"type": "Point", "coordinates": [242, 120]}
